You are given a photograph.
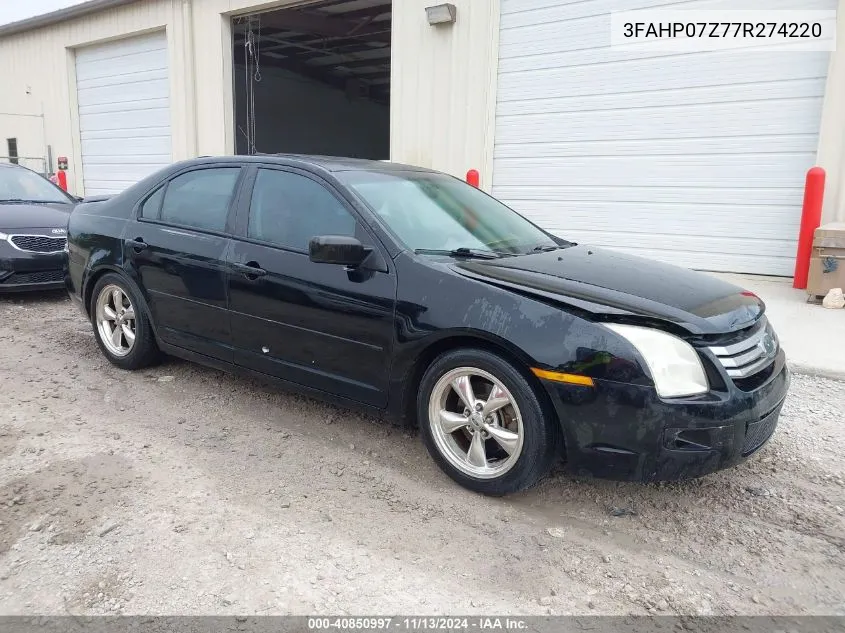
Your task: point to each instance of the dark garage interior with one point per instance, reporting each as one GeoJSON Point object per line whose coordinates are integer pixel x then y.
{"type": "Point", "coordinates": [314, 79]}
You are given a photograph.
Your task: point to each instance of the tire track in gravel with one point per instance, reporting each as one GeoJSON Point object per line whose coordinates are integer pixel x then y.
{"type": "Point", "coordinates": [238, 499]}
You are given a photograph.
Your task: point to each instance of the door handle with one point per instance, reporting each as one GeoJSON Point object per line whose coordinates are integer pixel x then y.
{"type": "Point", "coordinates": [138, 244]}
{"type": "Point", "coordinates": [250, 270]}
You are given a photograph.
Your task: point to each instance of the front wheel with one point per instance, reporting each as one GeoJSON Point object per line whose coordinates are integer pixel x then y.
{"type": "Point", "coordinates": [483, 423]}
{"type": "Point", "coordinates": [121, 326]}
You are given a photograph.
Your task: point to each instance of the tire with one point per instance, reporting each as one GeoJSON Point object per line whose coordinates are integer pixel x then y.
{"type": "Point", "coordinates": [143, 350]}
{"type": "Point", "coordinates": [531, 454]}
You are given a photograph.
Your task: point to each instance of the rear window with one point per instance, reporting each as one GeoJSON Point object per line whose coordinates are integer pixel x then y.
{"type": "Point", "coordinates": [199, 198]}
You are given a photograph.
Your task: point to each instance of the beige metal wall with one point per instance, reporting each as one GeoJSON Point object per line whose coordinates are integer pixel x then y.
{"type": "Point", "coordinates": [443, 80]}
{"type": "Point", "coordinates": [38, 77]}
{"type": "Point", "coordinates": [28, 128]}
{"type": "Point", "coordinates": [443, 84]}
{"type": "Point", "coordinates": [443, 87]}
{"type": "Point", "coordinates": [831, 154]}
{"type": "Point", "coordinates": [211, 38]}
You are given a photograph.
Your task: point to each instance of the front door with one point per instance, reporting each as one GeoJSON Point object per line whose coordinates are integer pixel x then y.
{"type": "Point", "coordinates": [318, 325]}
{"type": "Point", "coordinates": [177, 249]}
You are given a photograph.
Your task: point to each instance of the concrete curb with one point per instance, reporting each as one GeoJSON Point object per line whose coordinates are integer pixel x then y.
{"type": "Point", "coordinates": [816, 372]}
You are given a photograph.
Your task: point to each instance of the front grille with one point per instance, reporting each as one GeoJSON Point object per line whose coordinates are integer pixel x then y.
{"type": "Point", "coordinates": [752, 383]}
{"type": "Point", "coordinates": [748, 356]}
{"type": "Point", "coordinates": [39, 243]}
{"type": "Point", "coordinates": [42, 277]}
{"type": "Point", "coordinates": [758, 433]}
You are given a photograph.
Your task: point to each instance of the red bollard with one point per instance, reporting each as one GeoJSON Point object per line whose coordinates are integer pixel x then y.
{"type": "Point", "coordinates": [61, 176]}
{"type": "Point", "coordinates": [811, 218]}
{"type": "Point", "coordinates": [474, 178]}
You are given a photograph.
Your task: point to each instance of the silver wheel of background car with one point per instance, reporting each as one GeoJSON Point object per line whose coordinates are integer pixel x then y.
{"type": "Point", "coordinates": [115, 316]}
{"type": "Point", "coordinates": [475, 422]}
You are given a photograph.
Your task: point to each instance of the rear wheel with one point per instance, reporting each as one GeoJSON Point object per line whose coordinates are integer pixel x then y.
{"type": "Point", "coordinates": [121, 326]}
{"type": "Point", "coordinates": [483, 423]}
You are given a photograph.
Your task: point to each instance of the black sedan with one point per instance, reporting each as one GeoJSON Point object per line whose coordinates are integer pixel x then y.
{"type": "Point", "coordinates": [33, 225]}
{"type": "Point", "coordinates": [407, 291]}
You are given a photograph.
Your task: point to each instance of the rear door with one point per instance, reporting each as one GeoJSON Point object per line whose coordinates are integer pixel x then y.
{"type": "Point", "coordinates": [177, 246]}
{"type": "Point", "coordinates": [318, 325]}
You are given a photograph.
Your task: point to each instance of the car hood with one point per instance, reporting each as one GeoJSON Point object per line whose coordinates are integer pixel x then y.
{"type": "Point", "coordinates": [31, 216]}
{"type": "Point", "coordinates": [610, 284]}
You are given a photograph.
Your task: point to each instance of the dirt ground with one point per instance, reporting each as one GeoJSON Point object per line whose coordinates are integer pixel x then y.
{"type": "Point", "coordinates": [183, 490]}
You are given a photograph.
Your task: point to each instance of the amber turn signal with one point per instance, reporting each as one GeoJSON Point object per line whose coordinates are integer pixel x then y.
{"type": "Point", "coordinates": [556, 376]}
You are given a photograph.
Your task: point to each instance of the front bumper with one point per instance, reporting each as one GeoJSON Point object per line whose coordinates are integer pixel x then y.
{"type": "Point", "coordinates": [22, 271]}
{"type": "Point", "coordinates": [621, 431]}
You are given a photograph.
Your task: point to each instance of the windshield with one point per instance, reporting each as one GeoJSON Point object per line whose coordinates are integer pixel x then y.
{"type": "Point", "coordinates": [435, 212]}
{"type": "Point", "coordinates": [24, 185]}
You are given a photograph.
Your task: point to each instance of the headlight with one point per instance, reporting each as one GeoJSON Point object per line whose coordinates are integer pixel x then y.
{"type": "Point", "coordinates": [3, 237]}
{"type": "Point", "coordinates": [674, 365]}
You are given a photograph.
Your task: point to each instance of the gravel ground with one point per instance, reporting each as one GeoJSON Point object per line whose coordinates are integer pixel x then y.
{"type": "Point", "coordinates": [183, 490]}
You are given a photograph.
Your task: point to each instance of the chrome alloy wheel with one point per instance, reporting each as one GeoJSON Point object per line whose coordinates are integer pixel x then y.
{"type": "Point", "coordinates": [475, 422]}
{"type": "Point", "coordinates": [115, 317]}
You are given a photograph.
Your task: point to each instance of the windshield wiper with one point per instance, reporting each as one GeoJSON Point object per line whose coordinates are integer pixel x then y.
{"type": "Point", "coordinates": [24, 201]}
{"type": "Point", "coordinates": [546, 248]}
{"type": "Point", "coordinates": [459, 252]}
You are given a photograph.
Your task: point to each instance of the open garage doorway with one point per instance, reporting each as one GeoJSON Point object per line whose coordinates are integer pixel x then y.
{"type": "Point", "coordinates": [314, 79]}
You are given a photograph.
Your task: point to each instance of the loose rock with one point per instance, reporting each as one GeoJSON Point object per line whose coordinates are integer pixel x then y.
{"type": "Point", "coordinates": [108, 527]}
{"type": "Point", "coordinates": [621, 512]}
{"type": "Point", "coordinates": [758, 491]}
{"type": "Point", "coordinates": [834, 299]}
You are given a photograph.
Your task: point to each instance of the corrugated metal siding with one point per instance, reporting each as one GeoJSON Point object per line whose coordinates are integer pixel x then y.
{"type": "Point", "coordinates": [831, 154]}
{"type": "Point", "coordinates": [123, 94]}
{"type": "Point", "coordinates": [696, 159]}
{"type": "Point", "coordinates": [213, 77]}
{"type": "Point", "coordinates": [39, 72]}
{"type": "Point", "coordinates": [443, 87]}
{"type": "Point", "coordinates": [39, 62]}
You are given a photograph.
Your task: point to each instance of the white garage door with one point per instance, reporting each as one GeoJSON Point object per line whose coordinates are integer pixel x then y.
{"type": "Point", "coordinates": [124, 111]}
{"type": "Point", "coordinates": [693, 158]}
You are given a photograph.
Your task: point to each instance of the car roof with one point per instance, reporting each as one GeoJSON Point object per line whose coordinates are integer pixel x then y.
{"type": "Point", "coordinates": [326, 163]}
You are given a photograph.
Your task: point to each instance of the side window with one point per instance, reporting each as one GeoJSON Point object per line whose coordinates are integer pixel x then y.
{"type": "Point", "coordinates": [200, 198]}
{"type": "Point", "coordinates": [152, 205]}
{"type": "Point", "coordinates": [288, 210]}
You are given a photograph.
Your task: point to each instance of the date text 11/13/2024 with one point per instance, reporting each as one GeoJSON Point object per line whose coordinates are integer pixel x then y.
{"type": "Point", "coordinates": [421, 623]}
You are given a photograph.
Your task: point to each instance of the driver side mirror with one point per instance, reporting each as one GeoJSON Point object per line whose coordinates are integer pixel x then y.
{"type": "Point", "coordinates": [342, 250]}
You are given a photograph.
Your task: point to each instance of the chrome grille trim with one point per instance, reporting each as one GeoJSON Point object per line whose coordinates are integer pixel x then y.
{"type": "Point", "coordinates": [736, 348]}
{"type": "Point", "coordinates": [747, 357]}
{"type": "Point", "coordinates": [750, 370]}
{"type": "Point", "coordinates": [743, 359]}
{"type": "Point", "coordinates": [20, 241]}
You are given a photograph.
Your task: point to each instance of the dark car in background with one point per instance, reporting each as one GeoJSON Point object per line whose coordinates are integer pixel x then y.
{"type": "Point", "coordinates": [406, 291]}
{"type": "Point", "coordinates": [33, 228]}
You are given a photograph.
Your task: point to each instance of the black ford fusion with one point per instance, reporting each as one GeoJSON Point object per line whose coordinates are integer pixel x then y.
{"type": "Point", "coordinates": [407, 291]}
{"type": "Point", "coordinates": [33, 224]}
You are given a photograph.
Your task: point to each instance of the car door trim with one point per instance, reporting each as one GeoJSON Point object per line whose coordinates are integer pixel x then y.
{"type": "Point", "coordinates": [313, 371]}
{"type": "Point", "coordinates": [297, 387]}
{"type": "Point", "coordinates": [377, 348]}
